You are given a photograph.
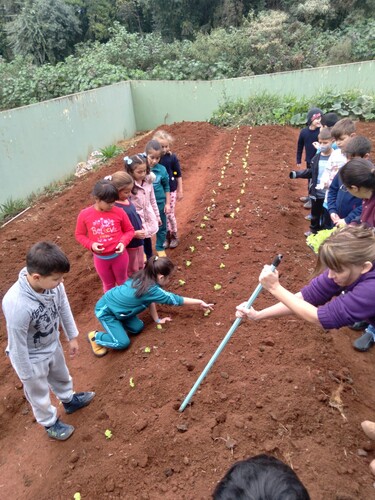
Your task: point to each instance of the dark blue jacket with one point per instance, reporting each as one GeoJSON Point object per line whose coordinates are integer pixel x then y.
{"type": "Point", "coordinates": [171, 163]}
{"type": "Point", "coordinates": [311, 173]}
{"type": "Point", "coordinates": [342, 203]}
{"type": "Point", "coordinates": [305, 140]}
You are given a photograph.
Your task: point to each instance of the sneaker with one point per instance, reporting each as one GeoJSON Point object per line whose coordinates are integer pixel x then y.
{"type": "Point", "coordinates": [308, 233]}
{"type": "Point", "coordinates": [308, 217]}
{"type": "Point", "coordinates": [359, 326]}
{"type": "Point", "coordinates": [161, 253]}
{"type": "Point", "coordinates": [174, 241]}
{"type": "Point", "coordinates": [369, 429]}
{"type": "Point", "coordinates": [60, 431]}
{"type": "Point", "coordinates": [167, 240]}
{"type": "Point", "coordinates": [79, 400]}
{"type": "Point", "coordinates": [364, 342]}
{"type": "Point", "coordinates": [98, 350]}
{"type": "Point", "coordinates": [304, 199]}
{"type": "Point", "coordinates": [307, 204]}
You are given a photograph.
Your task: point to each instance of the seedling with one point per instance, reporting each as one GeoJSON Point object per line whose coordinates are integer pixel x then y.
{"type": "Point", "coordinates": [232, 215]}
{"type": "Point", "coordinates": [188, 263]}
{"type": "Point", "coordinates": [192, 249]}
{"type": "Point", "coordinates": [226, 246]}
{"type": "Point", "coordinates": [219, 184]}
{"type": "Point", "coordinates": [131, 381]}
{"type": "Point", "coordinates": [207, 313]}
{"type": "Point", "coordinates": [237, 209]}
{"type": "Point", "coordinates": [203, 225]}
{"type": "Point", "coordinates": [242, 191]}
{"type": "Point", "coordinates": [147, 349]}
{"type": "Point", "coordinates": [229, 232]}
{"type": "Point", "coordinates": [108, 434]}
{"type": "Point", "coordinates": [217, 287]}
{"type": "Point", "coordinates": [199, 238]}
{"type": "Point", "coordinates": [77, 496]}
{"type": "Point", "coordinates": [222, 266]}
{"type": "Point", "coordinates": [159, 327]}
{"type": "Point", "coordinates": [205, 217]}
{"type": "Point", "coordinates": [181, 282]}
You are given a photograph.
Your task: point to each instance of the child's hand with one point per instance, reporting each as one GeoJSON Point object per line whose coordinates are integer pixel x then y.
{"type": "Point", "coordinates": [140, 234]}
{"type": "Point", "coordinates": [340, 223]}
{"type": "Point", "coordinates": [120, 248]}
{"type": "Point", "coordinates": [335, 218]}
{"type": "Point", "coordinates": [160, 222]}
{"type": "Point", "coordinates": [162, 321]}
{"type": "Point", "coordinates": [243, 312]}
{"type": "Point", "coordinates": [97, 247]}
{"type": "Point", "coordinates": [269, 278]}
{"type": "Point", "coordinates": [167, 208]}
{"type": "Point", "coordinates": [73, 347]}
{"type": "Point", "coordinates": [204, 305]}
{"type": "Point", "coordinates": [316, 145]}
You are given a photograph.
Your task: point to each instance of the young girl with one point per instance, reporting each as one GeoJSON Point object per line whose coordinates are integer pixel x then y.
{"type": "Point", "coordinates": [106, 230]}
{"type": "Point", "coordinates": [162, 191]}
{"type": "Point", "coordinates": [117, 310]}
{"type": "Point", "coordinates": [170, 161]}
{"type": "Point", "coordinates": [124, 184]}
{"type": "Point", "coordinates": [143, 198]}
{"type": "Point", "coordinates": [349, 280]}
{"type": "Point", "coordinates": [358, 176]}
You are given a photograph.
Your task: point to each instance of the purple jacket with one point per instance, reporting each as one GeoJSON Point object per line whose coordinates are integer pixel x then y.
{"type": "Point", "coordinates": [348, 305]}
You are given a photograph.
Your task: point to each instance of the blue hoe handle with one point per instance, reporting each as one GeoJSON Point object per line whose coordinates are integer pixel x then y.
{"type": "Point", "coordinates": [223, 343]}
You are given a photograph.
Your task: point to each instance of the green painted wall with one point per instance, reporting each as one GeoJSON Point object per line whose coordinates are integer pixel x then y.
{"type": "Point", "coordinates": [166, 102]}
{"type": "Point", "coordinates": [44, 142]}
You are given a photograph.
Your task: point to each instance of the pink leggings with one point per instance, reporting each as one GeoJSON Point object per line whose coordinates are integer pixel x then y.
{"type": "Point", "coordinates": [171, 217]}
{"type": "Point", "coordinates": [112, 272]}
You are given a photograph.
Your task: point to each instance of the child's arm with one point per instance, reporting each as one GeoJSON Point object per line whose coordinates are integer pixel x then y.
{"type": "Point", "coordinates": [180, 193]}
{"type": "Point", "coordinates": [67, 321]}
{"type": "Point", "coordinates": [165, 183]}
{"type": "Point", "coordinates": [128, 233]}
{"type": "Point", "coordinates": [153, 203]}
{"type": "Point", "coordinates": [17, 323]}
{"type": "Point", "coordinates": [300, 145]}
{"type": "Point", "coordinates": [81, 232]}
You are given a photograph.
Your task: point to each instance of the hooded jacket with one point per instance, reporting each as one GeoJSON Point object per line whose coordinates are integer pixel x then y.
{"type": "Point", "coordinates": [33, 321]}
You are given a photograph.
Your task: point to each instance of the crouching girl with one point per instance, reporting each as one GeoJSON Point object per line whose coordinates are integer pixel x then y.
{"type": "Point", "coordinates": [118, 309]}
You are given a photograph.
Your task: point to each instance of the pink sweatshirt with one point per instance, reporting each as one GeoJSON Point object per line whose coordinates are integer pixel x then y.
{"type": "Point", "coordinates": [108, 228]}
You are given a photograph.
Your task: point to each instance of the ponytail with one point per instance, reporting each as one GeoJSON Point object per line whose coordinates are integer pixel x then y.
{"type": "Point", "coordinates": [144, 279]}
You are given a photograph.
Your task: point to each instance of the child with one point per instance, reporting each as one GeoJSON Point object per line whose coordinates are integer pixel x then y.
{"type": "Point", "coordinates": [124, 184]}
{"type": "Point", "coordinates": [143, 198]}
{"type": "Point", "coordinates": [319, 215]}
{"type": "Point", "coordinates": [170, 161]}
{"type": "Point", "coordinates": [106, 230]}
{"type": "Point", "coordinates": [33, 308]}
{"type": "Point", "coordinates": [343, 207]}
{"type": "Point", "coordinates": [259, 478]}
{"type": "Point", "coordinates": [118, 309]}
{"type": "Point", "coordinates": [368, 428]}
{"type": "Point", "coordinates": [307, 137]}
{"type": "Point", "coordinates": [349, 280]}
{"type": "Point", "coordinates": [329, 120]}
{"type": "Point", "coordinates": [162, 191]}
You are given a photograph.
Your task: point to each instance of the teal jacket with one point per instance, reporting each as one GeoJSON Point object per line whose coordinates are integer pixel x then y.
{"type": "Point", "coordinates": [123, 303]}
{"type": "Point", "coordinates": [161, 183]}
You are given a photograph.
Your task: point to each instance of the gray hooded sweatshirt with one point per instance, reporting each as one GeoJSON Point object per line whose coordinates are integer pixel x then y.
{"type": "Point", "coordinates": [33, 321]}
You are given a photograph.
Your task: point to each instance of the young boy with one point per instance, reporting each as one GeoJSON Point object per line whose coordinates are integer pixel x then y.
{"type": "Point", "coordinates": [33, 308]}
{"type": "Point", "coordinates": [319, 216]}
{"type": "Point", "coordinates": [307, 137]}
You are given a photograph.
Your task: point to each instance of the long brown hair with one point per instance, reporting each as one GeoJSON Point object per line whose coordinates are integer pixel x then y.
{"type": "Point", "coordinates": [144, 279]}
{"type": "Point", "coordinates": [351, 245]}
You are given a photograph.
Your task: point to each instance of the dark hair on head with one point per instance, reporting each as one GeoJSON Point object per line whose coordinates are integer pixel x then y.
{"type": "Point", "coordinates": [329, 120]}
{"type": "Point", "coordinates": [358, 146]}
{"type": "Point", "coordinates": [346, 126]}
{"type": "Point", "coordinates": [358, 172]}
{"type": "Point", "coordinates": [104, 190]}
{"type": "Point", "coordinates": [153, 145]}
{"type": "Point", "coordinates": [144, 279]}
{"type": "Point", "coordinates": [46, 258]}
{"type": "Point", "coordinates": [350, 245]}
{"type": "Point", "coordinates": [259, 478]}
{"type": "Point", "coordinates": [324, 134]}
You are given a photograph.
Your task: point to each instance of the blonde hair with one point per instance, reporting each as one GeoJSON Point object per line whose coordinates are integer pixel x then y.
{"type": "Point", "coordinates": [162, 134]}
{"type": "Point", "coordinates": [121, 179]}
{"type": "Point", "coordinates": [351, 245]}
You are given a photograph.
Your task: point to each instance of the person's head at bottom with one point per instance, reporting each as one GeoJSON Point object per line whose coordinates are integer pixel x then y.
{"type": "Point", "coordinates": [260, 478]}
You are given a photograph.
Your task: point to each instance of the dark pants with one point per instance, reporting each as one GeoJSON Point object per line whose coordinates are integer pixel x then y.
{"type": "Point", "coordinates": [320, 218]}
{"type": "Point", "coordinates": [148, 247]}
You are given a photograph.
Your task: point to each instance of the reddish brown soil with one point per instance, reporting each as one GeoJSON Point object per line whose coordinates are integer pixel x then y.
{"type": "Point", "coordinates": [270, 389]}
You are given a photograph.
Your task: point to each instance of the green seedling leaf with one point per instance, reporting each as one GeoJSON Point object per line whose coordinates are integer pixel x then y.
{"type": "Point", "coordinates": [192, 248]}
{"type": "Point", "coordinates": [199, 238]}
{"type": "Point", "coordinates": [226, 246]}
{"type": "Point", "coordinates": [147, 349]}
{"type": "Point", "coordinates": [219, 184]}
{"type": "Point", "coordinates": [77, 496]}
{"type": "Point", "coordinates": [242, 191]}
{"type": "Point", "coordinates": [207, 313]}
{"type": "Point", "coordinates": [205, 217]}
{"type": "Point", "coordinates": [229, 231]}
{"type": "Point", "coordinates": [159, 327]}
{"type": "Point", "coordinates": [131, 382]}
{"type": "Point", "coordinates": [203, 225]}
{"type": "Point", "coordinates": [108, 433]}
{"type": "Point", "coordinates": [181, 282]}
{"type": "Point", "coordinates": [213, 191]}
{"type": "Point", "coordinates": [222, 265]}
{"type": "Point", "coordinates": [232, 215]}
{"type": "Point", "coordinates": [217, 287]}
{"type": "Point", "coordinates": [238, 201]}
{"type": "Point", "coordinates": [188, 263]}
{"type": "Point", "coordinates": [237, 209]}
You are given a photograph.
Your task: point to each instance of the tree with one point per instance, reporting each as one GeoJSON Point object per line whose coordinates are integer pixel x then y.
{"type": "Point", "coordinates": [44, 29]}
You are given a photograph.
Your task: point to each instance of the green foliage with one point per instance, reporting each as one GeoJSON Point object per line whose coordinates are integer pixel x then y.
{"type": "Point", "coordinates": [11, 208]}
{"type": "Point", "coordinates": [268, 109]}
{"type": "Point", "coordinates": [44, 29]}
{"type": "Point", "coordinates": [110, 151]}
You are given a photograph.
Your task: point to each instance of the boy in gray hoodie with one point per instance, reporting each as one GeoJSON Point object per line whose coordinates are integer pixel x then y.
{"type": "Point", "coordinates": [33, 308]}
